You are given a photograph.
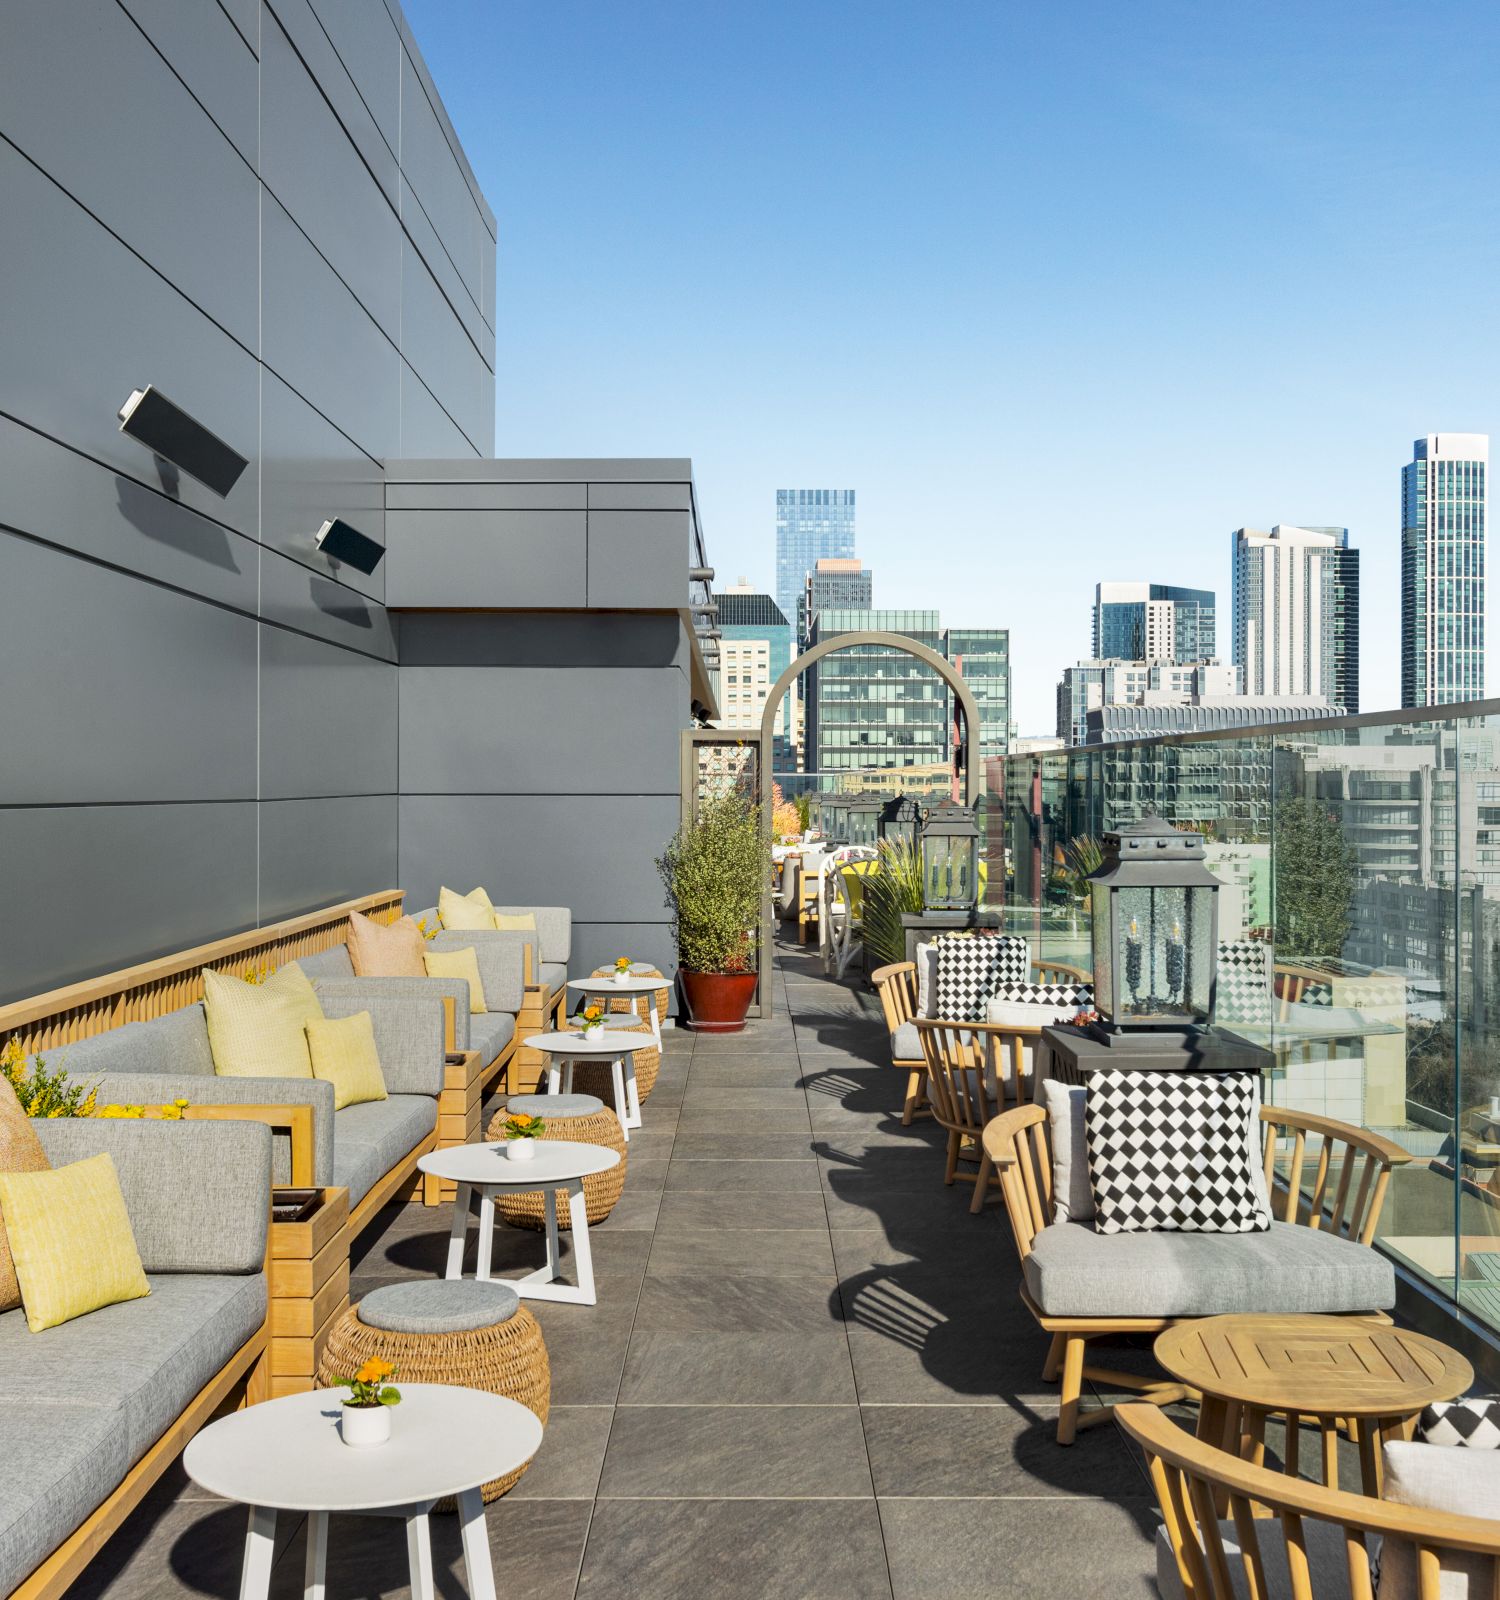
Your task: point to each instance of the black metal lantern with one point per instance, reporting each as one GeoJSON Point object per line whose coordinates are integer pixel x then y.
{"type": "Point", "coordinates": [1155, 929]}
{"type": "Point", "coordinates": [900, 820]}
{"type": "Point", "coordinates": [950, 858]}
{"type": "Point", "coordinates": [864, 808]}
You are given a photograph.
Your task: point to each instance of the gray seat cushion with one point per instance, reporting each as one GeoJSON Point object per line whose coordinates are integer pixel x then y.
{"type": "Point", "coordinates": [554, 974]}
{"type": "Point", "coordinates": [439, 1305]}
{"type": "Point", "coordinates": [554, 1105]}
{"type": "Point", "coordinates": [490, 1032]}
{"type": "Point", "coordinates": [906, 1043]}
{"type": "Point", "coordinates": [331, 963]}
{"type": "Point", "coordinates": [147, 1358]}
{"type": "Point", "coordinates": [1073, 1271]}
{"type": "Point", "coordinates": [1325, 1559]}
{"type": "Point", "coordinates": [369, 1139]}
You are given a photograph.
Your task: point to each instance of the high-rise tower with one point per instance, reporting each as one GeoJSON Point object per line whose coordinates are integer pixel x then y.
{"type": "Point", "coordinates": [1442, 569]}
{"type": "Point", "coordinates": [810, 523]}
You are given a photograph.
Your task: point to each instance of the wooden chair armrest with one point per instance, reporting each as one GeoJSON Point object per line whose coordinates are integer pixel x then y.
{"type": "Point", "coordinates": [1000, 1030]}
{"type": "Point", "coordinates": [1052, 970]}
{"type": "Point", "coordinates": [296, 1121]}
{"type": "Point", "coordinates": [1374, 1144]}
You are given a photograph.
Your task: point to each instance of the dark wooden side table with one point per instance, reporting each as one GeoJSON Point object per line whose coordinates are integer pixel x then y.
{"type": "Point", "coordinates": [1369, 1374]}
{"type": "Point", "coordinates": [1071, 1055]}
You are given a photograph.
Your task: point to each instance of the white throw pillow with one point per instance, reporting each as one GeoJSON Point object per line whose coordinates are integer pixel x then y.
{"type": "Point", "coordinates": [1072, 1195]}
{"type": "Point", "coordinates": [927, 980]}
{"type": "Point", "coordinates": [1434, 1477]}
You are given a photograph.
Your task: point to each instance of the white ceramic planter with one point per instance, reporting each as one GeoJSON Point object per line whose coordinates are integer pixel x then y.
{"type": "Point", "coordinates": [594, 1032]}
{"type": "Point", "coordinates": [520, 1149]}
{"type": "Point", "coordinates": [365, 1427]}
{"type": "Point", "coordinates": [622, 977]}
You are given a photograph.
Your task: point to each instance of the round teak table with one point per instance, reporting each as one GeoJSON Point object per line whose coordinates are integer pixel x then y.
{"type": "Point", "coordinates": [1372, 1375]}
{"type": "Point", "coordinates": [557, 1166]}
{"type": "Point", "coordinates": [286, 1455]}
{"type": "Point", "coordinates": [609, 1044]}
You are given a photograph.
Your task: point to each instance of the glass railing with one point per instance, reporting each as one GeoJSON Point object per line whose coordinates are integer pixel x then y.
{"type": "Point", "coordinates": [1359, 920]}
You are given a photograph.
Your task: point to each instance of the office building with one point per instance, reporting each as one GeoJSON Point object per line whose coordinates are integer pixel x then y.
{"type": "Point", "coordinates": [836, 583]}
{"type": "Point", "coordinates": [981, 657]}
{"type": "Point", "coordinates": [1092, 685]}
{"type": "Point", "coordinates": [1296, 613]}
{"type": "Point", "coordinates": [1157, 715]}
{"type": "Point", "coordinates": [1153, 622]}
{"type": "Point", "coordinates": [810, 524]}
{"type": "Point", "coordinates": [755, 648]}
{"type": "Point", "coordinates": [1442, 569]}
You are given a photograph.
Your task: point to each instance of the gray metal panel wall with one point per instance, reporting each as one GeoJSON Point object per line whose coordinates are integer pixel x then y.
{"type": "Point", "coordinates": [199, 716]}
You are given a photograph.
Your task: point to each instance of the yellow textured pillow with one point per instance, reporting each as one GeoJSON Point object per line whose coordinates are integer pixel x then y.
{"type": "Point", "coordinates": [516, 922]}
{"type": "Point", "coordinates": [344, 1054]}
{"type": "Point", "coordinates": [257, 1030]}
{"type": "Point", "coordinates": [71, 1240]}
{"type": "Point", "coordinates": [465, 913]}
{"type": "Point", "coordinates": [458, 964]}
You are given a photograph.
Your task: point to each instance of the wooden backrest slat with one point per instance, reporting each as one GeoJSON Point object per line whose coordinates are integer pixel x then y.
{"type": "Point", "coordinates": [1246, 1532]}
{"type": "Point", "coordinates": [1320, 1186]}
{"type": "Point", "coordinates": [1341, 1199]}
{"type": "Point", "coordinates": [168, 983]}
{"type": "Point", "coordinates": [1206, 1514]}
{"type": "Point", "coordinates": [1357, 1559]}
{"type": "Point", "coordinates": [1298, 1566]}
{"type": "Point", "coordinates": [1355, 1221]}
{"type": "Point", "coordinates": [1294, 1175]}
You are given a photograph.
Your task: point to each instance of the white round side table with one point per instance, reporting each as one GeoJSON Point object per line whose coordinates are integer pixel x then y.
{"type": "Point", "coordinates": [559, 1166]}
{"type": "Point", "coordinates": [609, 1044]}
{"type": "Point", "coordinates": [286, 1455]}
{"type": "Point", "coordinates": [632, 988]}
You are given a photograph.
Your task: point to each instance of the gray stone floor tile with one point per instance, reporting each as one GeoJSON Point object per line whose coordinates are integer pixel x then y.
{"type": "Point", "coordinates": [586, 1345]}
{"type": "Point", "coordinates": [691, 1213]}
{"type": "Point", "coordinates": [568, 1464]}
{"type": "Point", "coordinates": [635, 1211]}
{"type": "Point", "coordinates": [738, 1452]}
{"type": "Point", "coordinates": [715, 1144]}
{"type": "Point", "coordinates": [1041, 1549]}
{"type": "Point", "coordinates": [740, 1100]}
{"type": "Point", "coordinates": [739, 1368]}
{"type": "Point", "coordinates": [729, 1302]}
{"type": "Point", "coordinates": [711, 1549]}
{"type": "Point", "coordinates": [768, 1252]}
{"type": "Point", "coordinates": [775, 1177]}
{"type": "Point", "coordinates": [719, 1119]}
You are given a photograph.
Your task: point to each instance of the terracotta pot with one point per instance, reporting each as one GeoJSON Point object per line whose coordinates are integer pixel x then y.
{"type": "Point", "coordinates": [718, 1001]}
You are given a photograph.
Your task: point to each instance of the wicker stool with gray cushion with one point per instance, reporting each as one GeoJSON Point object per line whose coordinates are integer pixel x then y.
{"type": "Point", "coordinates": [581, 1117]}
{"type": "Point", "coordinates": [460, 1331]}
{"type": "Point", "coordinates": [623, 1014]}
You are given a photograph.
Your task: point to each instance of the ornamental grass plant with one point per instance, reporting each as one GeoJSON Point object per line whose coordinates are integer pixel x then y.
{"type": "Point", "coordinates": [894, 889]}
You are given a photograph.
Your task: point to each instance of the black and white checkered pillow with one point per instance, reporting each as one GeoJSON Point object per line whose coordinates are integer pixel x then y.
{"type": "Point", "coordinates": [1056, 995]}
{"type": "Point", "coordinates": [1243, 992]}
{"type": "Point", "coordinates": [1473, 1424]}
{"type": "Point", "coordinates": [970, 968]}
{"type": "Point", "coordinates": [1170, 1152]}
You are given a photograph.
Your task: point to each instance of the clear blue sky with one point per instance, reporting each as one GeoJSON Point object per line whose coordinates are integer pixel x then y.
{"type": "Point", "coordinates": [1066, 292]}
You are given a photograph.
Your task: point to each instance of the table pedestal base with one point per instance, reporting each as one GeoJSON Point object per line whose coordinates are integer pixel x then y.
{"type": "Point", "coordinates": [546, 1282]}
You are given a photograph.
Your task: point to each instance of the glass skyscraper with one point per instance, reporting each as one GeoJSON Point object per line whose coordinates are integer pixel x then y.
{"type": "Point", "coordinates": [809, 523]}
{"type": "Point", "coordinates": [1442, 569]}
{"type": "Point", "coordinates": [834, 584]}
{"type": "Point", "coordinates": [1154, 622]}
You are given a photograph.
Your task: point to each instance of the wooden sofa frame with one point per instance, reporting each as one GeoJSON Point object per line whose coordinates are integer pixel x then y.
{"type": "Point", "coordinates": [1018, 1144]}
{"type": "Point", "coordinates": [1198, 1485]}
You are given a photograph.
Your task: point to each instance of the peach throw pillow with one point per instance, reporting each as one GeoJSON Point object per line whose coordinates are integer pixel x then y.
{"type": "Point", "coordinates": [380, 951]}
{"type": "Point", "coordinates": [20, 1151]}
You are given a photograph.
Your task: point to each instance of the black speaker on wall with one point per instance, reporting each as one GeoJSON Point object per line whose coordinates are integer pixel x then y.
{"type": "Point", "coordinates": [341, 541]}
{"type": "Point", "coordinates": [175, 436]}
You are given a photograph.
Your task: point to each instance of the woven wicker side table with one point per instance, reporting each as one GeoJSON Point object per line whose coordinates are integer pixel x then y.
{"type": "Point", "coordinates": [583, 1118]}
{"type": "Point", "coordinates": [476, 1335]}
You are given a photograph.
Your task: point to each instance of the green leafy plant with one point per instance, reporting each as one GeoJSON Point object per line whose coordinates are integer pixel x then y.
{"type": "Point", "coordinates": [1081, 858]}
{"type": "Point", "coordinates": [893, 889]}
{"type": "Point", "coordinates": [715, 872]}
{"type": "Point", "coordinates": [522, 1126]}
{"type": "Point", "coordinates": [1313, 884]}
{"type": "Point", "coordinates": [44, 1091]}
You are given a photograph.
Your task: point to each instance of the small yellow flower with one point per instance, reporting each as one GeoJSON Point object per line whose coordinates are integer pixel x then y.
{"type": "Point", "coordinates": [521, 1120]}
{"type": "Point", "coordinates": [373, 1371]}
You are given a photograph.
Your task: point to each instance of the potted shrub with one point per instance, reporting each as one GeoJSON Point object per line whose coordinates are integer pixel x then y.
{"type": "Point", "coordinates": [716, 871]}
{"type": "Point", "coordinates": [366, 1419]}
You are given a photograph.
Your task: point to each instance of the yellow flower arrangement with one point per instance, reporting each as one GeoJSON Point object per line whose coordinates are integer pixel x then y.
{"type": "Point", "coordinates": [427, 933]}
{"type": "Point", "coordinates": [368, 1386]}
{"type": "Point", "coordinates": [168, 1111]}
{"type": "Point", "coordinates": [622, 964]}
{"type": "Point", "coordinates": [522, 1126]}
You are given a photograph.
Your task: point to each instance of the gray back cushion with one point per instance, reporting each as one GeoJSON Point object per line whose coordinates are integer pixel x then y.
{"type": "Point", "coordinates": [554, 929]}
{"type": "Point", "coordinates": [332, 963]}
{"type": "Point", "coordinates": [176, 1043]}
{"type": "Point", "coordinates": [500, 957]}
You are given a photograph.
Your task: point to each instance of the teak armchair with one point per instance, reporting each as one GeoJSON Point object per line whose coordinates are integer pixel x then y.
{"type": "Point", "coordinates": [1284, 1526]}
{"type": "Point", "coordinates": [1350, 1178]}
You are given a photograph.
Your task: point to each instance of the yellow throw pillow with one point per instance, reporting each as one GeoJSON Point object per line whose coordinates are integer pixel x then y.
{"type": "Point", "coordinates": [344, 1054]}
{"type": "Point", "coordinates": [516, 922]}
{"type": "Point", "coordinates": [465, 913]}
{"type": "Point", "coordinates": [458, 964]}
{"type": "Point", "coordinates": [257, 1030]}
{"type": "Point", "coordinates": [71, 1240]}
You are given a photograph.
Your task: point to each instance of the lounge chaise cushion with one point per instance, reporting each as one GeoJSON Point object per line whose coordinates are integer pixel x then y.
{"type": "Point", "coordinates": [255, 1030]}
{"type": "Point", "coordinates": [554, 929]}
{"type": "Point", "coordinates": [1073, 1271]}
{"type": "Point", "coordinates": [554, 974]}
{"type": "Point", "coordinates": [372, 1138]}
{"type": "Point", "coordinates": [906, 1043]}
{"type": "Point", "coordinates": [490, 1034]}
{"type": "Point", "coordinates": [334, 962]}
{"type": "Point", "coordinates": [176, 1043]}
{"type": "Point", "coordinates": [380, 951]}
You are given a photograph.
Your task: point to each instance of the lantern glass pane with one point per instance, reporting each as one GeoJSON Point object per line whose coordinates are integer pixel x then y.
{"type": "Point", "coordinates": [1104, 966]}
{"type": "Point", "coordinates": [1164, 957]}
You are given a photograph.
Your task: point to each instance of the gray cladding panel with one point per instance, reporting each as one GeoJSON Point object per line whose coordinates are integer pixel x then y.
{"type": "Point", "coordinates": [476, 559]}
{"type": "Point", "coordinates": [85, 322]}
{"type": "Point", "coordinates": [438, 350]}
{"type": "Point", "coordinates": [639, 558]}
{"type": "Point", "coordinates": [370, 48]}
{"type": "Point", "coordinates": [595, 853]}
{"type": "Point", "coordinates": [424, 424]}
{"type": "Point", "coordinates": [429, 248]}
{"type": "Point", "coordinates": [327, 719]}
{"type": "Point", "coordinates": [119, 884]}
{"type": "Point", "coordinates": [472, 730]}
{"type": "Point", "coordinates": [311, 167]}
{"type": "Point", "coordinates": [316, 852]}
{"type": "Point", "coordinates": [60, 496]}
{"type": "Point", "coordinates": [84, 94]}
{"type": "Point", "coordinates": [311, 472]}
{"type": "Point", "coordinates": [485, 496]}
{"type": "Point", "coordinates": [640, 497]}
{"type": "Point", "coordinates": [320, 340]}
{"type": "Point", "coordinates": [429, 165]}
{"type": "Point", "coordinates": [586, 639]}
{"type": "Point", "coordinates": [415, 468]}
{"type": "Point", "coordinates": [210, 55]}
{"type": "Point", "coordinates": [597, 944]}
{"type": "Point", "coordinates": [152, 700]}
{"type": "Point", "coordinates": [311, 603]}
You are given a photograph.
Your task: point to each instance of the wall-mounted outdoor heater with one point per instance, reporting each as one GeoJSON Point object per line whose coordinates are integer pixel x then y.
{"type": "Point", "coordinates": [167, 430]}
{"type": "Point", "coordinates": [343, 542]}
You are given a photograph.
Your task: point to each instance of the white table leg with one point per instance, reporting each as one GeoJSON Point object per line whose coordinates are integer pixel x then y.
{"type": "Point", "coordinates": [554, 1254]}
{"type": "Point", "coordinates": [419, 1557]}
{"type": "Point", "coordinates": [458, 1233]}
{"type": "Point", "coordinates": [567, 1076]}
{"type": "Point", "coordinates": [315, 1568]}
{"type": "Point", "coordinates": [554, 1075]}
{"type": "Point", "coordinates": [476, 1539]}
{"type": "Point", "coordinates": [260, 1552]}
{"type": "Point", "coordinates": [583, 1254]}
{"type": "Point", "coordinates": [622, 1110]}
{"type": "Point", "coordinates": [486, 1233]}
{"type": "Point", "coordinates": [632, 1097]}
